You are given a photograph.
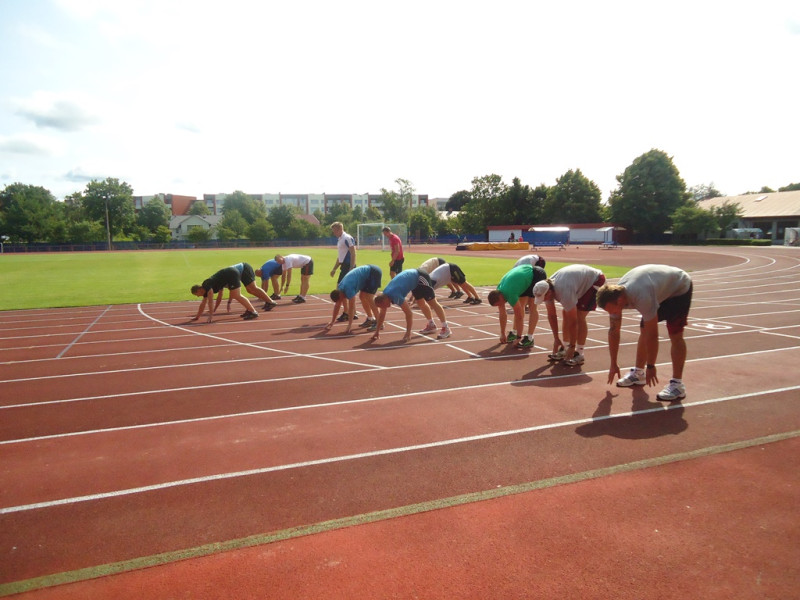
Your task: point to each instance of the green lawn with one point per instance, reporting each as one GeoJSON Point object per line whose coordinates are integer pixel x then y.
{"type": "Point", "coordinates": [88, 278]}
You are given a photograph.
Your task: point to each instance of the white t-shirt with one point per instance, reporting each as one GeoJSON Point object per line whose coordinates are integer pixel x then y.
{"type": "Point", "coordinates": [429, 265]}
{"type": "Point", "coordinates": [441, 276]}
{"type": "Point", "coordinates": [648, 286]}
{"type": "Point", "coordinates": [572, 282]}
{"type": "Point", "coordinates": [344, 244]}
{"type": "Point", "coordinates": [528, 259]}
{"type": "Point", "coordinates": [295, 260]}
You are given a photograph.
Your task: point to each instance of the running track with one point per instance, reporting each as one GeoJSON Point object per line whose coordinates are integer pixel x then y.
{"type": "Point", "coordinates": [143, 456]}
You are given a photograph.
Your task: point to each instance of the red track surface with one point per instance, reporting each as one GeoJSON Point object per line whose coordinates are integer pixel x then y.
{"type": "Point", "coordinates": [142, 456]}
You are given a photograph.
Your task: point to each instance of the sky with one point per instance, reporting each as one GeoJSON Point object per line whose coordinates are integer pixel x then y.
{"type": "Point", "coordinates": [196, 97]}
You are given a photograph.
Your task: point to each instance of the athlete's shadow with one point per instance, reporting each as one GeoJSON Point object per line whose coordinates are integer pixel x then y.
{"type": "Point", "coordinates": [649, 419]}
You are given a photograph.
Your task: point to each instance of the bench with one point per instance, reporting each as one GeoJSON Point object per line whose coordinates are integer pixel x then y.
{"type": "Point", "coordinates": [537, 245]}
{"type": "Point", "coordinates": [610, 246]}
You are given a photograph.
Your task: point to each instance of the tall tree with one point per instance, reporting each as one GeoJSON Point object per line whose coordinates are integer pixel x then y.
{"type": "Point", "coordinates": [457, 200]}
{"type": "Point", "coordinates": [247, 206]}
{"type": "Point", "coordinates": [154, 214]}
{"type": "Point", "coordinates": [395, 204]}
{"type": "Point", "coordinates": [117, 196]}
{"type": "Point", "coordinates": [484, 207]}
{"type": "Point", "coordinates": [704, 192]}
{"type": "Point", "coordinates": [573, 199]}
{"type": "Point", "coordinates": [649, 191]}
{"type": "Point", "coordinates": [29, 213]}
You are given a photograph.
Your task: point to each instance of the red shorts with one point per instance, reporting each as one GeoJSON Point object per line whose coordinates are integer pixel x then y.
{"type": "Point", "coordinates": [588, 302]}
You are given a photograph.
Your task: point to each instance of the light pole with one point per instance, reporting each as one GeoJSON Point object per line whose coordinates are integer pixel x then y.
{"type": "Point", "coordinates": [3, 240]}
{"type": "Point", "coordinates": [108, 227]}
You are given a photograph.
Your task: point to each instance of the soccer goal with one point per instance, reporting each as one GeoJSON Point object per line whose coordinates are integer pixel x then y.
{"type": "Point", "coordinates": [371, 234]}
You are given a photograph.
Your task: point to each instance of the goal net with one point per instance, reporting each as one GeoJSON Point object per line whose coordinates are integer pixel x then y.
{"type": "Point", "coordinates": [371, 234]}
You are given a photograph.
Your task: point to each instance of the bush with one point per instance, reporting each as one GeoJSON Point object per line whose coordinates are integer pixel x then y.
{"type": "Point", "coordinates": [737, 242]}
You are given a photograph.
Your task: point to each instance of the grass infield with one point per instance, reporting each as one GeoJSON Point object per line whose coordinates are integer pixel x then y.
{"type": "Point", "coordinates": [90, 278]}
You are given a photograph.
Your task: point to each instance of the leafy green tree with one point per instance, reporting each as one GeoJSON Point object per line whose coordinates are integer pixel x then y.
{"type": "Point", "coordinates": [457, 200]}
{"type": "Point", "coordinates": [373, 215]}
{"type": "Point", "coordinates": [247, 206]}
{"type": "Point", "coordinates": [703, 192]}
{"type": "Point", "coordinates": [86, 232]}
{"type": "Point", "coordinates": [484, 207]}
{"type": "Point", "coordinates": [197, 235]}
{"type": "Point", "coordinates": [423, 222]}
{"type": "Point", "coordinates": [650, 191]}
{"type": "Point", "coordinates": [692, 221]}
{"type": "Point", "coordinates": [29, 213]}
{"type": "Point", "coordinates": [162, 235]}
{"type": "Point", "coordinates": [573, 199]}
{"type": "Point", "coordinates": [232, 226]}
{"type": "Point", "coordinates": [280, 218]}
{"type": "Point", "coordinates": [199, 208]}
{"type": "Point", "coordinates": [300, 229]}
{"type": "Point", "coordinates": [118, 196]}
{"type": "Point", "coordinates": [260, 231]}
{"type": "Point", "coordinates": [792, 187]}
{"type": "Point", "coordinates": [727, 216]}
{"type": "Point", "coordinates": [518, 204]}
{"type": "Point", "coordinates": [154, 214]}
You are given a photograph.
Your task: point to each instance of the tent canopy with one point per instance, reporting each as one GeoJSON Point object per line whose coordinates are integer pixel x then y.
{"type": "Point", "coordinates": [549, 229]}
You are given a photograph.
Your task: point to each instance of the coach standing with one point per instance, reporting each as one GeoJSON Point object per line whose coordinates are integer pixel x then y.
{"type": "Point", "coordinates": [659, 293]}
{"type": "Point", "coordinates": [346, 258]}
{"type": "Point", "coordinates": [396, 246]}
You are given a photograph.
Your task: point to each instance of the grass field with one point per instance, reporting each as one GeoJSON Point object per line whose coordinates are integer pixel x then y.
{"type": "Point", "coordinates": [90, 278]}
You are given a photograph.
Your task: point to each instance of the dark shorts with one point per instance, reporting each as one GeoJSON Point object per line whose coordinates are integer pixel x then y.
{"type": "Point", "coordinates": [225, 278]}
{"type": "Point", "coordinates": [344, 269]}
{"type": "Point", "coordinates": [457, 275]}
{"type": "Point", "coordinates": [308, 268]}
{"type": "Point", "coordinates": [397, 266]}
{"type": "Point", "coordinates": [588, 302]}
{"type": "Point", "coordinates": [675, 311]}
{"type": "Point", "coordinates": [538, 275]}
{"type": "Point", "coordinates": [424, 289]}
{"type": "Point", "coordinates": [248, 274]}
{"type": "Point", "coordinates": [373, 281]}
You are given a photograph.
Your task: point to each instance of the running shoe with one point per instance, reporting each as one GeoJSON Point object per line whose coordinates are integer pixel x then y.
{"type": "Point", "coordinates": [526, 342]}
{"type": "Point", "coordinates": [511, 337]}
{"type": "Point", "coordinates": [634, 377]}
{"type": "Point", "coordinates": [477, 301]}
{"type": "Point", "coordinates": [673, 392]}
{"type": "Point", "coordinates": [452, 294]}
{"type": "Point", "coordinates": [342, 318]}
{"type": "Point", "coordinates": [250, 315]}
{"type": "Point", "coordinates": [275, 296]}
{"type": "Point", "coordinates": [444, 333]}
{"type": "Point", "coordinates": [367, 322]}
{"type": "Point", "coordinates": [458, 295]}
{"type": "Point", "coordinates": [298, 299]}
{"type": "Point", "coordinates": [268, 306]}
{"type": "Point", "coordinates": [556, 356]}
{"type": "Point", "coordinates": [468, 300]}
{"type": "Point", "coordinates": [575, 360]}
{"type": "Point", "coordinates": [429, 328]}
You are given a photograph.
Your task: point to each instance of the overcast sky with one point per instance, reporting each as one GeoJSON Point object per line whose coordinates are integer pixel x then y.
{"type": "Point", "coordinates": [193, 97]}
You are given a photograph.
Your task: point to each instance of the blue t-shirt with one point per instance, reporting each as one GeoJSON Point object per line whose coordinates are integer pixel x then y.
{"type": "Point", "coordinates": [354, 281]}
{"type": "Point", "coordinates": [270, 268]}
{"type": "Point", "coordinates": [402, 284]}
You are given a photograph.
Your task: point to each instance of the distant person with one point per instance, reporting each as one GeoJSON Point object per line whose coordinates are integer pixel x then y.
{"type": "Point", "coordinates": [227, 278]}
{"type": "Point", "coordinates": [364, 281]}
{"type": "Point", "coordinates": [531, 259]}
{"type": "Point", "coordinates": [575, 287]}
{"type": "Point", "coordinates": [248, 277]}
{"type": "Point", "coordinates": [516, 288]}
{"type": "Point", "coordinates": [419, 284]}
{"type": "Point", "coordinates": [447, 274]}
{"type": "Point", "coordinates": [294, 261]}
{"type": "Point", "coordinates": [271, 271]}
{"type": "Point", "coordinates": [396, 247]}
{"type": "Point", "coordinates": [511, 237]}
{"type": "Point", "coordinates": [346, 255]}
{"type": "Point", "coordinates": [659, 293]}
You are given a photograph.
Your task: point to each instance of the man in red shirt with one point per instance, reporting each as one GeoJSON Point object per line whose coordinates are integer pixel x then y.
{"type": "Point", "coordinates": [396, 246]}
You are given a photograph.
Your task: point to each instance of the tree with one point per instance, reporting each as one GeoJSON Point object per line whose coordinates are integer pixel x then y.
{"type": "Point", "coordinates": [518, 204]}
{"type": "Point", "coordinates": [484, 207]}
{"type": "Point", "coordinates": [117, 196]}
{"type": "Point", "coordinates": [457, 201]}
{"type": "Point", "coordinates": [790, 188]}
{"type": "Point", "coordinates": [692, 221]}
{"type": "Point", "coordinates": [162, 235]}
{"type": "Point", "coordinates": [154, 214]}
{"type": "Point", "coordinates": [260, 231]}
{"type": "Point", "coordinates": [232, 226]}
{"type": "Point", "coordinates": [198, 235]}
{"type": "Point", "coordinates": [704, 192]}
{"type": "Point", "coordinates": [199, 208]}
{"type": "Point", "coordinates": [395, 205]}
{"type": "Point", "coordinates": [423, 222]}
{"type": "Point", "coordinates": [280, 218]}
{"type": "Point", "coordinates": [247, 206]}
{"type": "Point", "coordinates": [650, 190]}
{"type": "Point", "coordinates": [573, 199]}
{"type": "Point", "coordinates": [727, 215]}
{"type": "Point", "coordinates": [29, 213]}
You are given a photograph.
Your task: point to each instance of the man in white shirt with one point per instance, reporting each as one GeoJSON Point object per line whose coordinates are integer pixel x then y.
{"type": "Point", "coordinates": [346, 258]}
{"type": "Point", "coordinates": [659, 293]}
{"type": "Point", "coordinates": [306, 266]}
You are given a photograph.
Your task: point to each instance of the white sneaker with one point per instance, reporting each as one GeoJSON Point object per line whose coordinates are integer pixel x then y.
{"type": "Point", "coordinates": [674, 391]}
{"type": "Point", "coordinates": [429, 328]}
{"type": "Point", "coordinates": [576, 360]}
{"type": "Point", "coordinates": [556, 356]}
{"type": "Point", "coordinates": [444, 333]}
{"type": "Point", "coordinates": [634, 377]}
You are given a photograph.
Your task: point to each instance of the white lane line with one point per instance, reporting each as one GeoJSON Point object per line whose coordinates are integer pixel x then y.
{"type": "Point", "coordinates": [88, 327]}
{"type": "Point", "coordinates": [259, 347]}
{"type": "Point", "coordinates": [374, 453]}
